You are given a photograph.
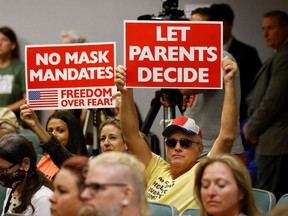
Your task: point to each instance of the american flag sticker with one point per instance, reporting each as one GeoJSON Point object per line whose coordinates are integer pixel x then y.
{"type": "Point", "coordinates": [43, 98]}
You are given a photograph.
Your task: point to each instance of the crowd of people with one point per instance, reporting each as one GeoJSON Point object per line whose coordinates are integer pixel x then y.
{"type": "Point", "coordinates": [48, 171]}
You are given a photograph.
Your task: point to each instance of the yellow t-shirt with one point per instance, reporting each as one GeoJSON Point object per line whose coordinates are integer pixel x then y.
{"type": "Point", "coordinates": [163, 189]}
{"type": "Point", "coordinates": [47, 166]}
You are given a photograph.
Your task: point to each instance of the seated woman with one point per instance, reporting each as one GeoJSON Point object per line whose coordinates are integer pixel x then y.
{"type": "Point", "coordinates": [28, 189]}
{"type": "Point", "coordinates": [67, 182]}
{"type": "Point", "coordinates": [62, 138]}
{"type": "Point", "coordinates": [223, 187]}
{"type": "Point", "coordinates": [111, 138]}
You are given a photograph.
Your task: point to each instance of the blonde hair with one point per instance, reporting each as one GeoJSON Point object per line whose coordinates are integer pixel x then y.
{"type": "Point", "coordinates": [280, 210]}
{"type": "Point", "coordinates": [132, 172]}
{"type": "Point", "coordinates": [110, 121]}
{"type": "Point", "coordinates": [241, 176]}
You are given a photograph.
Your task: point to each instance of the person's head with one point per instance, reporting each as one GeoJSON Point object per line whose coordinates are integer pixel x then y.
{"type": "Point", "coordinates": [67, 128]}
{"type": "Point", "coordinates": [204, 14]}
{"type": "Point", "coordinates": [115, 185]}
{"type": "Point", "coordinates": [111, 137]}
{"type": "Point", "coordinates": [66, 198]}
{"type": "Point", "coordinates": [71, 36]}
{"type": "Point", "coordinates": [17, 155]}
{"type": "Point", "coordinates": [275, 28]}
{"type": "Point", "coordinates": [9, 43]}
{"type": "Point", "coordinates": [183, 140]}
{"type": "Point", "coordinates": [8, 122]}
{"type": "Point", "coordinates": [18, 168]}
{"type": "Point", "coordinates": [223, 187]}
{"type": "Point", "coordinates": [227, 15]}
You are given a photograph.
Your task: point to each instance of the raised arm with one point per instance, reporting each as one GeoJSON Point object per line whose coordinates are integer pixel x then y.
{"type": "Point", "coordinates": [229, 118]}
{"type": "Point", "coordinates": [49, 143]}
{"type": "Point", "coordinates": [129, 119]}
{"type": "Point", "coordinates": [30, 118]}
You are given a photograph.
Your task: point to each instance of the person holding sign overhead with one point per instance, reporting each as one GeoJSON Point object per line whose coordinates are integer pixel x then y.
{"type": "Point", "coordinates": [173, 182]}
{"type": "Point", "coordinates": [62, 138]}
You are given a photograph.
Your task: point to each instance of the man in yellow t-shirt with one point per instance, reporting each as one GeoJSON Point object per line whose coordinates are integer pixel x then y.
{"type": "Point", "coordinates": [172, 182]}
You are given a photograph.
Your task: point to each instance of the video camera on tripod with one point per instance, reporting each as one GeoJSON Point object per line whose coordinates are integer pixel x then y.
{"type": "Point", "coordinates": [169, 98]}
{"type": "Point", "coordinates": [169, 12]}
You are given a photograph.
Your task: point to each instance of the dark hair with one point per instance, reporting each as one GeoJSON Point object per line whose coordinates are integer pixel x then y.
{"type": "Point", "coordinates": [8, 32]}
{"type": "Point", "coordinates": [205, 11]}
{"type": "Point", "coordinates": [14, 148]}
{"type": "Point", "coordinates": [281, 15]}
{"type": "Point", "coordinates": [76, 142]}
{"type": "Point", "coordinates": [224, 11]}
{"type": "Point", "coordinates": [78, 166]}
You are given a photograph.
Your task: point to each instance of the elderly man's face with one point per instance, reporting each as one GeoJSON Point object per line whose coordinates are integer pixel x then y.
{"type": "Point", "coordinates": [273, 32]}
{"type": "Point", "coordinates": [184, 158]}
{"type": "Point", "coordinates": [108, 197]}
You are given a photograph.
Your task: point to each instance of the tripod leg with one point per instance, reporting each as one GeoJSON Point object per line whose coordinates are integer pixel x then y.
{"type": "Point", "coordinates": [98, 117]}
{"type": "Point", "coordinates": [95, 132]}
{"type": "Point", "coordinates": [154, 109]}
{"type": "Point", "coordinates": [168, 115]}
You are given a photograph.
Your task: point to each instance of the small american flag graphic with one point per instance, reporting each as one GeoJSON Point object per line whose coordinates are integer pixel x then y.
{"type": "Point", "coordinates": [43, 98]}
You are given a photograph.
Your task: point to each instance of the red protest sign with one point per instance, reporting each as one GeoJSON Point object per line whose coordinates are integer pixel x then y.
{"type": "Point", "coordinates": [173, 54]}
{"type": "Point", "coordinates": [70, 75]}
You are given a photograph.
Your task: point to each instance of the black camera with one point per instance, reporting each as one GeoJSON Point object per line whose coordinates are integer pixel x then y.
{"type": "Point", "coordinates": [169, 12]}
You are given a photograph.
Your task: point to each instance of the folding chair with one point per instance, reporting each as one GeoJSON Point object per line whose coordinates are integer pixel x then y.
{"type": "Point", "coordinates": [160, 209]}
{"type": "Point", "coordinates": [191, 212]}
{"type": "Point", "coordinates": [283, 200]}
{"type": "Point", "coordinates": [2, 196]}
{"type": "Point", "coordinates": [265, 199]}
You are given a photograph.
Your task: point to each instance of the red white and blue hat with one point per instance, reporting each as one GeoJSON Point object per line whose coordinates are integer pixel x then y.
{"type": "Point", "coordinates": [183, 123]}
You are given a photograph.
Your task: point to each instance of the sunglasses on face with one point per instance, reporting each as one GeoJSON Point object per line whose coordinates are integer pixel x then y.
{"type": "Point", "coordinates": [185, 143]}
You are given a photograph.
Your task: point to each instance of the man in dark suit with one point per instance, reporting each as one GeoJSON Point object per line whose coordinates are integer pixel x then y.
{"type": "Point", "coordinates": [268, 106]}
{"type": "Point", "coordinates": [246, 56]}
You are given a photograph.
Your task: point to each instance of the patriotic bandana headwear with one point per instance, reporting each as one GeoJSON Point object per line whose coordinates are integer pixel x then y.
{"type": "Point", "coordinates": [187, 125]}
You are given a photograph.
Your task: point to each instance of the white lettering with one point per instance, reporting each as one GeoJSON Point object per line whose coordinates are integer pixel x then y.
{"type": "Point", "coordinates": [173, 53]}
{"type": "Point", "coordinates": [92, 58]}
{"type": "Point", "coordinates": [174, 33]}
{"type": "Point", "coordinates": [172, 75]}
{"type": "Point", "coordinates": [53, 59]}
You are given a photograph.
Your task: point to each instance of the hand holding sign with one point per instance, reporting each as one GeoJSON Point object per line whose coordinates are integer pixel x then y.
{"type": "Point", "coordinates": [120, 78]}
{"type": "Point", "coordinates": [230, 69]}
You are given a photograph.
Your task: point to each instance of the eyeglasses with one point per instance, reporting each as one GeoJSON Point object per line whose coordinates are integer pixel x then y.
{"type": "Point", "coordinates": [95, 187]}
{"type": "Point", "coordinates": [185, 143]}
{"type": "Point", "coordinates": [5, 170]}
